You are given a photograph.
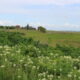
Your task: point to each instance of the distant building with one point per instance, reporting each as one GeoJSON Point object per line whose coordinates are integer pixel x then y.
{"type": "Point", "coordinates": [18, 26]}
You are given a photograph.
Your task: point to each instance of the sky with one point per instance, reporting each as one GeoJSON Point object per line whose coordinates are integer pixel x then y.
{"type": "Point", "coordinates": [52, 14]}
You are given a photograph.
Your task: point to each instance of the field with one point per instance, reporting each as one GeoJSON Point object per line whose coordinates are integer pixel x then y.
{"type": "Point", "coordinates": [52, 37]}
{"type": "Point", "coordinates": [25, 58]}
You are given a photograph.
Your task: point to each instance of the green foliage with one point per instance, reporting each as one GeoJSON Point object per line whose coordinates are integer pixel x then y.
{"type": "Point", "coordinates": [1, 27]}
{"type": "Point", "coordinates": [7, 27]}
{"type": "Point", "coordinates": [29, 27]}
{"type": "Point", "coordinates": [42, 29]}
{"type": "Point", "coordinates": [13, 38]}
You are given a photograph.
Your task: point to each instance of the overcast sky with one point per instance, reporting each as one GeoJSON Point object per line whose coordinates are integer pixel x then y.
{"type": "Point", "coordinates": [52, 14]}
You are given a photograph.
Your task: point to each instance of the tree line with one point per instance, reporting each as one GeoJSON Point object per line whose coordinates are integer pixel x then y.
{"type": "Point", "coordinates": [27, 27]}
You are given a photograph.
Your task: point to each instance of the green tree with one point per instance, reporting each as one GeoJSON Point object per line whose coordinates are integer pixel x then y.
{"type": "Point", "coordinates": [27, 27]}
{"type": "Point", "coordinates": [42, 29]}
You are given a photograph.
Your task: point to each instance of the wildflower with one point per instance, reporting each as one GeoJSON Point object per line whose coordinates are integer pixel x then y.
{"type": "Point", "coordinates": [38, 67]}
{"type": "Point", "coordinates": [51, 76]}
{"type": "Point", "coordinates": [54, 69]}
{"type": "Point", "coordinates": [19, 76]}
{"type": "Point", "coordinates": [51, 54]}
{"type": "Point", "coordinates": [30, 62]}
{"type": "Point", "coordinates": [14, 65]}
{"type": "Point", "coordinates": [7, 52]}
{"type": "Point", "coordinates": [18, 51]}
{"type": "Point", "coordinates": [48, 76]}
{"type": "Point", "coordinates": [33, 67]}
{"type": "Point", "coordinates": [60, 69]}
{"type": "Point", "coordinates": [56, 55]}
{"type": "Point", "coordinates": [6, 46]}
{"type": "Point", "coordinates": [75, 75]}
{"type": "Point", "coordinates": [1, 54]}
{"type": "Point", "coordinates": [79, 70]}
{"type": "Point", "coordinates": [2, 66]}
{"type": "Point", "coordinates": [1, 47]}
{"type": "Point", "coordinates": [35, 48]}
{"type": "Point", "coordinates": [69, 75]}
{"type": "Point", "coordinates": [44, 74]}
{"type": "Point", "coordinates": [21, 60]}
{"type": "Point", "coordinates": [12, 54]}
{"type": "Point", "coordinates": [75, 67]}
{"type": "Point", "coordinates": [67, 57]}
{"type": "Point", "coordinates": [40, 74]}
{"type": "Point", "coordinates": [44, 79]}
{"type": "Point", "coordinates": [59, 77]}
{"type": "Point", "coordinates": [18, 69]}
{"type": "Point", "coordinates": [6, 60]}
{"type": "Point", "coordinates": [79, 78]}
{"type": "Point", "coordinates": [25, 65]}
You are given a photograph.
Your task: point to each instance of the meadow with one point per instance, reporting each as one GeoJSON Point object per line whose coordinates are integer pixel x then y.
{"type": "Point", "coordinates": [30, 55]}
{"type": "Point", "coordinates": [52, 37]}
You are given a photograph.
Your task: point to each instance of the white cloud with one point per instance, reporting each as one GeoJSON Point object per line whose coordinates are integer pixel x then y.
{"type": "Point", "coordinates": [64, 27]}
{"type": "Point", "coordinates": [19, 7]}
{"type": "Point", "coordinates": [5, 22]}
{"type": "Point", "coordinates": [38, 2]}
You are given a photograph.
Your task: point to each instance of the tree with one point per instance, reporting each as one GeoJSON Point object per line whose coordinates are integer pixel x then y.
{"type": "Point", "coordinates": [27, 27]}
{"type": "Point", "coordinates": [42, 29]}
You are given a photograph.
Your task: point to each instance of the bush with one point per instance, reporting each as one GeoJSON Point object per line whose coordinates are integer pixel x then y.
{"type": "Point", "coordinates": [42, 29]}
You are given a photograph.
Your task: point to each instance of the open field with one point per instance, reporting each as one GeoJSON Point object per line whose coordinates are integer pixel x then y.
{"type": "Point", "coordinates": [53, 37]}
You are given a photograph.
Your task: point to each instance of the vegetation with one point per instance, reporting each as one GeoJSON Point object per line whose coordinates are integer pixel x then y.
{"type": "Point", "coordinates": [18, 27]}
{"type": "Point", "coordinates": [29, 27]}
{"type": "Point", "coordinates": [51, 37]}
{"type": "Point", "coordinates": [23, 58]}
{"type": "Point", "coordinates": [42, 29]}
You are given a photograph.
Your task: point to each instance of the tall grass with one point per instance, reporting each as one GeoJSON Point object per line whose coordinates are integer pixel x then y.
{"type": "Point", "coordinates": [25, 59]}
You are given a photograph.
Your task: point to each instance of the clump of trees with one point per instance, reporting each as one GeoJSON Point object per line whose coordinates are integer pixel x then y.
{"type": "Point", "coordinates": [42, 29]}
{"type": "Point", "coordinates": [1, 27]}
{"type": "Point", "coordinates": [27, 27]}
{"type": "Point", "coordinates": [7, 27]}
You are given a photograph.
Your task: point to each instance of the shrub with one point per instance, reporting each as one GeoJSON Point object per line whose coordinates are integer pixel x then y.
{"type": "Point", "coordinates": [42, 29]}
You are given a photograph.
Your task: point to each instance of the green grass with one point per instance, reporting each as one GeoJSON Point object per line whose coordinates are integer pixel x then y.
{"type": "Point", "coordinates": [53, 37]}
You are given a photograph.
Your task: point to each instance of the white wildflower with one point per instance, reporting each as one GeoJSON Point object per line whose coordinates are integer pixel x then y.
{"type": "Point", "coordinates": [69, 75]}
{"type": "Point", "coordinates": [75, 75]}
{"type": "Point", "coordinates": [19, 76]}
{"type": "Point", "coordinates": [6, 60]}
{"type": "Point", "coordinates": [75, 67]}
{"type": "Point", "coordinates": [2, 66]}
{"type": "Point", "coordinates": [44, 79]}
{"type": "Point", "coordinates": [33, 67]}
{"type": "Point", "coordinates": [59, 77]}
{"type": "Point", "coordinates": [14, 65]}
{"type": "Point", "coordinates": [21, 60]}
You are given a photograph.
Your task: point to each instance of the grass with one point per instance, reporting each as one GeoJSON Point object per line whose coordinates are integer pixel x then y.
{"type": "Point", "coordinates": [25, 59]}
{"type": "Point", "coordinates": [16, 65]}
{"type": "Point", "coordinates": [53, 37]}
